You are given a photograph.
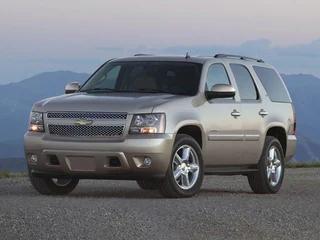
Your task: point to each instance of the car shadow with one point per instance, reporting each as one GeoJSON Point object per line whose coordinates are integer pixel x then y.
{"type": "Point", "coordinates": [83, 193]}
{"type": "Point", "coordinates": [215, 191]}
{"type": "Point", "coordinates": [113, 192]}
{"type": "Point", "coordinates": [121, 192]}
{"type": "Point", "coordinates": [130, 193]}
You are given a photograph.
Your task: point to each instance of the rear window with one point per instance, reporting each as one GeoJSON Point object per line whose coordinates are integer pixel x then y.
{"type": "Point", "coordinates": [272, 83]}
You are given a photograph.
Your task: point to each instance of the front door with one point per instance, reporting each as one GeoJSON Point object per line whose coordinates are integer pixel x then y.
{"type": "Point", "coordinates": [223, 122]}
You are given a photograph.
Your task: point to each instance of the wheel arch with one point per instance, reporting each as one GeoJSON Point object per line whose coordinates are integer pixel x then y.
{"type": "Point", "coordinates": [280, 133]}
{"type": "Point", "coordinates": [194, 130]}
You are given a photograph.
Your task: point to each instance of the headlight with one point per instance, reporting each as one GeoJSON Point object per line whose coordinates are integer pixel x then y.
{"type": "Point", "coordinates": [148, 123]}
{"type": "Point", "coordinates": [36, 122]}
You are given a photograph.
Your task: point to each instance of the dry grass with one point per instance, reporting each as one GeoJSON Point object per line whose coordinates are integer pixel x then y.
{"type": "Point", "coordinates": [303, 164]}
{"type": "Point", "coordinates": [5, 174]}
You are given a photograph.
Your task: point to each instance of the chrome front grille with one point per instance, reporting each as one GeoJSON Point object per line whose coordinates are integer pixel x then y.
{"type": "Point", "coordinates": [86, 131]}
{"type": "Point", "coordinates": [86, 115]}
{"type": "Point", "coordinates": [86, 124]}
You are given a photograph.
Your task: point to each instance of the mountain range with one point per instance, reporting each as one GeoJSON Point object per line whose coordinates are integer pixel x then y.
{"type": "Point", "coordinates": [16, 100]}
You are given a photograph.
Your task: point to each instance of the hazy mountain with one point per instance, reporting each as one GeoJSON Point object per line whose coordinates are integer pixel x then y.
{"type": "Point", "coordinates": [304, 91]}
{"type": "Point", "coordinates": [292, 58]}
{"type": "Point", "coordinates": [16, 100]}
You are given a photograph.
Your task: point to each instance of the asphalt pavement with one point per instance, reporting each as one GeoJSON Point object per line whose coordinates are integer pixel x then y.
{"type": "Point", "coordinates": [224, 209]}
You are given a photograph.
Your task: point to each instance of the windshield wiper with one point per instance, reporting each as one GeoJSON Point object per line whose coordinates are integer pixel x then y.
{"type": "Point", "coordinates": [151, 90]}
{"type": "Point", "coordinates": [99, 90]}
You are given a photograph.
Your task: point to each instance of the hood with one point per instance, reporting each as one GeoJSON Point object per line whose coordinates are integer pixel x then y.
{"type": "Point", "coordinates": [105, 102]}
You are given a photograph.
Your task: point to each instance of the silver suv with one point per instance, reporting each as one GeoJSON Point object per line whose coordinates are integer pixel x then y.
{"type": "Point", "coordinates": [165, 122]}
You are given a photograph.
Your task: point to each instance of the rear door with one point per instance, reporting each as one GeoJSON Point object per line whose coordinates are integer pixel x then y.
{"type": "Point", "coordinates": [253, 113]}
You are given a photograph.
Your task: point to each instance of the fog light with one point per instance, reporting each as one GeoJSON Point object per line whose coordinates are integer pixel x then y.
{"type": "Point", "coordinates": [33, 159]}
{"type": "Point", "coordinates": [147, 161]}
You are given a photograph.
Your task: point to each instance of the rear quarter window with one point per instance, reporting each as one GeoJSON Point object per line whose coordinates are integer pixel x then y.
{"type": "Point", "coordinates": [272, 83]}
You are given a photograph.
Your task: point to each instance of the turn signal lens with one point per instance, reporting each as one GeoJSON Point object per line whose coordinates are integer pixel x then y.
{"type": "Point", "coordinates": [148, 130]}
{"type": "Point", "coordinates": [36, 128]}
{"type": "Point", "coordinates": [36, 122]}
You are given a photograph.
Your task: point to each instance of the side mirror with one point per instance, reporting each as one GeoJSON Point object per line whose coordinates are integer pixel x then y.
{"type": "Point", "coordinates": [220, 91]}
{"type": "Point", "coordinates": [72, 88]}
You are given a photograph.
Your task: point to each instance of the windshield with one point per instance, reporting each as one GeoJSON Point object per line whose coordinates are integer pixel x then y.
{"type": "Point", "coordinates": [156, 77]}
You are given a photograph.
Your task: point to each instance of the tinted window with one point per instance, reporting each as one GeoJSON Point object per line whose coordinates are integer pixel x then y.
{"type": "Point", "coordinates": [108, 79]}
{"type": "Point", "coordinates": [216, 75]}
{"type": "Point", "coordinates": [273, 84]}
{"type": "Point", "coordinates": [246, 86]}
{"type": "Point", "coordinates": [169, 77]}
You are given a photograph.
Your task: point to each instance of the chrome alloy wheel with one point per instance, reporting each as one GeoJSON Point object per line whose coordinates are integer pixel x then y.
{"type": "Point", "coordinates": [61, 182]}
{"type": "Point", "coordinates": [274, 166]}
{"type": "Point", "coordinates": [185, 167]}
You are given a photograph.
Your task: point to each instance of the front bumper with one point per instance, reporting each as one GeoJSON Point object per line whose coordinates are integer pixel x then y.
{"type": "Point", "coordinates": [85, 159]}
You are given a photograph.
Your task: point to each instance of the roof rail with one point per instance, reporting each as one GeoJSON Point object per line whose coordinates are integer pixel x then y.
{"type": "Point", "coordinates": [141, 54]}
{"type": "Point", "coordinates": [238, 57]}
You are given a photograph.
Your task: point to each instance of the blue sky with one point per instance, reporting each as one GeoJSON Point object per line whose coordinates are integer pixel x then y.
{"type": "Point", "coordinates": [78, 35]}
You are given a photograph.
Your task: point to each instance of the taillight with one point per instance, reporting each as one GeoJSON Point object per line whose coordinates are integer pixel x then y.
{"type": "Point", "coordinates": [293, 125]}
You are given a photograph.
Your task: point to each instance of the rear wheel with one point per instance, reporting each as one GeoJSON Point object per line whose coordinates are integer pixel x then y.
{"type": "Point", "coordinates": [185, 173]}
{"type": "Point", "coordinates": [149, 184]}
{"type": "Point", "coordinates": [270, 173]}
{"type": "Point", "coordinates": [53, 186]}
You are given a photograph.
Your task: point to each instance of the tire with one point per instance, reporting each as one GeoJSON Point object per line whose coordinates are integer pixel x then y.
{"type": "Point", "coordinates": [48, 186]}
{"type": "Point", "coordinates": [263, 182]}
{"type": "Point", "coordinates": [189, 173]}
{"type": "Point", "coordinates": [150, 184]}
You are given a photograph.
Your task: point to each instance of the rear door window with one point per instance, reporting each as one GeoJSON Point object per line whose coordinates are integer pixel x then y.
{"type": "Point", "coordinates": [273, 84]}
{"type": "Point", "coordinates": [246, 86]}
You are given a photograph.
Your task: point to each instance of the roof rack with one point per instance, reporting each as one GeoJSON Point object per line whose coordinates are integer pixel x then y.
{"type": "Point", "coordinates": [238, 57]}
{"type": "Point", "coordinates": [141, 54]}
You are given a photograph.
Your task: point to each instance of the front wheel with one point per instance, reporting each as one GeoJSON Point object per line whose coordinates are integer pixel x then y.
{"type": "Point", "coordinates": [185, 172]}
{"type": "Point", "coordinates": [269, 177]}
{"type": "Point", "coordinates": [53, 186]}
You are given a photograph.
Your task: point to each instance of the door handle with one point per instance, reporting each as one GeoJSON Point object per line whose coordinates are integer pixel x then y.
{"type": "Point", "coordinates": [263, 113]}
{"type": "Point", "coordinates": [235, 113]}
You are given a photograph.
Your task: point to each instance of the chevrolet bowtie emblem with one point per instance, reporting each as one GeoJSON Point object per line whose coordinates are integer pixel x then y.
{"type": "Point", "coordinates": [83, 122]}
